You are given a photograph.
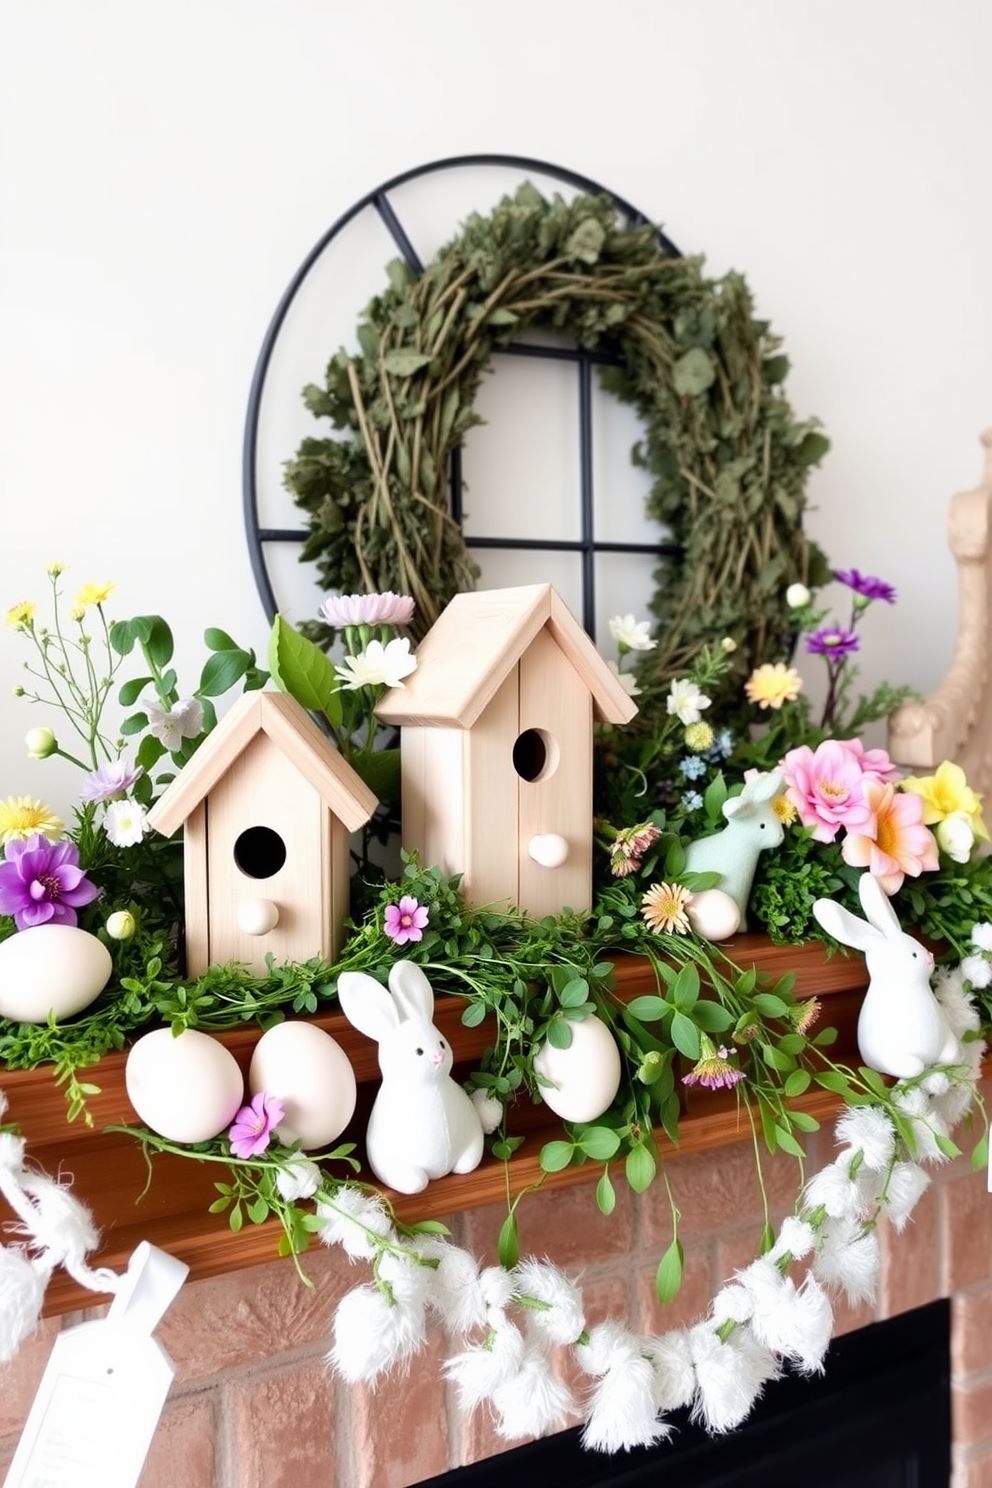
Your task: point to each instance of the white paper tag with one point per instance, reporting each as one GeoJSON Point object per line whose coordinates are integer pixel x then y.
{"type": "Point", "coordinates": [102, 1392]}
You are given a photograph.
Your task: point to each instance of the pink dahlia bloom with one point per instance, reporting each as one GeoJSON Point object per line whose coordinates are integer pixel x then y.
{"type": "Point", "coordinates": [874, 762]}
{"type": "Point", "coordinates": [894, 842]}
{"type": "Point", "coordinates": [825, 786]}
{"type": "Point", "coordinates": [367, 609]}
{"type": "Point", "coordinates": [41, 881]}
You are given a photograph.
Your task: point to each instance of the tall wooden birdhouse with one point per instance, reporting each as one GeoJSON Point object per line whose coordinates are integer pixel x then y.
{"type": "Point", "coordinates": [267, 805]}
{"type": "Point", "coordinates": [497, 747]}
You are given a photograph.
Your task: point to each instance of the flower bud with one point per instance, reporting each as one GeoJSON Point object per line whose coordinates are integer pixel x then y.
{"type": "Point", "coordinates": [728, 645]}
{"type": "Point", "coordinates": [121, 925]}
{"type": "Point", "coordinates": [40, 742]}
{"type": "Point", "coordinates": [956, 836]}
{"type": "Point", "coordinates": [797, 596]}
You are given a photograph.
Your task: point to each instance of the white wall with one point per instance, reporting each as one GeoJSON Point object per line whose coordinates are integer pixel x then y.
{"type": "Point", "coordinates": [165, 167]}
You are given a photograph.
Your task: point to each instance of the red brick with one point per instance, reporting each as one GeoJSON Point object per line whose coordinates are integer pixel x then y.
{"type": "Point", "coordinates": [911, 1260]}
{"type": "Point", "coordinates": [563, 1224]}
{"type": "Point", "coordinates": [848, 1318]}
{"type": "Point", "coordinates": [971, 1470]}
{"type": "Point", "coordinates": [971, 1415]}
{"type": "Point", "coordinates": [182, 1449]}
{"type": "Point", "coordinates": [249, 1316]}
{"type": "Point", "coordinates": [690, 1303]}
{"type": "Point", "coordinates": [966, 1232]}
{"type": "Point", "coordinates": [971, 1331]}
{"type": "Point", "coordinates": [714, 1189]}
{"type": "Point", "coordinates": [20, 1378]}
{"type": "Point", "coordinates": [399, 1429]}
{"type": "Point", "coordinates": [284, 1429]}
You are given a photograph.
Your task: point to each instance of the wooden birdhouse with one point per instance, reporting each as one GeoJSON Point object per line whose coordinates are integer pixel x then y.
{"type": "Point", "coordinates": [267, 805]}
{"type": "Point", "coordinates": [497, 747]}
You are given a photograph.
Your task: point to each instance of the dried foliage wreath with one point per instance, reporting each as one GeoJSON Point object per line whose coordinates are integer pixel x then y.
{"type": "Point", "coordinates": [728, 458]}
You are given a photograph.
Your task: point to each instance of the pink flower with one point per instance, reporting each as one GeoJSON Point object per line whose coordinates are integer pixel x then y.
{"type": "Point", "coordinates": [894, 841]}
{"type": "Point", "coordinates": [713, 1068]}
{"type": "Point", "coordinates": [367, 609]}
{"type": "Point", "coordinates": [826, 788]}
{"type": "Point", "coordinates": [41, 881]}
{"type": "Point", "coordinates": [874, 762]}
{"type": "Point", "coordinates": [251, 1131]}
{"type": "Point", "coordinates": [406, 920]}
{"type": "Point", "coordinates": [109, 781]}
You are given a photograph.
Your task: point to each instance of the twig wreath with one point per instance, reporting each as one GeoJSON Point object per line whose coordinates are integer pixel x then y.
{"type": "Point", "coordinates": [729, 459]}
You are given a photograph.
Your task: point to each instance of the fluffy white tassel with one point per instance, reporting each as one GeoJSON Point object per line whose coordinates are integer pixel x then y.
{"type": "Point", "coordinates": [409, 1281]}
{"type": "Point", "coordinates": [371, 1336]}
{"type": "Point", "coordinates": [622, 1411]}
{"type": "Point", "coordinates": [833, 1189]}
{"type": "Point", "coordinates": [907, 1184]}
{"type": "Point", "coordinates": [22, 1291]}
{"type": "Point", "coordinates": [849, 1260]}
{"type": "Point", "coordinates": [733, 1303]}
{"type": "Point", "coordinates": [479, 1371]}
{"type": "Point", "coordinates": [11, 1152]}
{"type": "Point", "coordinates": [729, 1376]}
{"type": "Point", "coordinates": [976, 970]}
{"type": "Point", "coordinates": [497, 1287]}
{"type": "Point", "coordinates": [534, 1401]}
{"type": "Point", "coordinates": [489, 1109]}
{"type": "Point", "coordinates": [674, 1377]}
{"type": "Point", "coordinates": [870, 1131]}
{"type": "Point", "coordinates": [796, 1238]}
{"type": "Point", "coordinates": [349, 1219]}
{"type": "Point", "coordinates": [563, 1319]}
{"type": "Point", "coordinates": [927, 1124]}
{"type": "Point", "coordinates": [454, 1290]}
{"type": "Point", "coordinates": [794, 1322]}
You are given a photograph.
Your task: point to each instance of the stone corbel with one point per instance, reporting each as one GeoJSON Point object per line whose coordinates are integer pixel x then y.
{"type": "Point", "coordinates": [955, 722]}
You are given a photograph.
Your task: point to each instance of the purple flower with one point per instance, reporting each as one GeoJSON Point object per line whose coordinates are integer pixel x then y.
{"type": "Point", "coordinates": [367, 609]}
{"type": "Point", "coordinates": [832, 641]}
{"type": "Point", "coordinates": [42, 882]}
{"type": "Point", "coordinates": [406, 920]}
{"type": "Point", "coordinates": [866, 585]}
{"type": "Point", "coordinates": [251, 1131]}
{"type": "Point", "coordinates": [115, 779]}
{"type": "Point", "coordinates": [713, 1068]}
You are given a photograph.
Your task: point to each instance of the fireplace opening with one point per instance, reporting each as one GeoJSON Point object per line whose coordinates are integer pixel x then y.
{"type": "Point", "coordinates": [878, 1417]}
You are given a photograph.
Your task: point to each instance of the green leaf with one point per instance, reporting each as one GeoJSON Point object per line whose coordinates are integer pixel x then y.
{"type": "Point", "coordinates": [711, 1017]}
{"type": "Point", "coordinates": [600, 1143]}
{"type": "Point", "coordinates": [834, 1081]}
{"type": "Point", "coordinates": [946, 1146]}
{"type": "Point", "coordinates": [693, 373]}
{"type": "Point", "coordinates": [980, 1156]}
{"type": "Point", "coordinates": [574, 994]}
{"type": "Point", "coordinates": [381, 772]}
{"type": "Point", "coordinates": [474, 1014]}
{"type": "Point", "coordinates": [769, 1005]}
{"type": "Point", "coordinates": [776, 1060]}
{"type": "Point", "coordinates": [405, 363]}
{"type": "Point", "coordinates": [787, 1141]}
{"type": "Point", "coordinates": [798, 1082]}
{"type": "Point", "coordinates": [258, 1210]}
{"type": "Point", "coordinates": [685, 992]}
{"type": "Point", "coordinates": [586, 241]}
{"type": "Point", "coordinates": [134, 723]}
{"type": "Point", "coordinates": [559, 1034]}
{"type": "Point", "coordinates": [556, 1155]}
{"type": "Point", "coordinates": [508, 1245]}
{"type": "Point", "coordinates": [221, 671]}
{"type": "Point", "coordinates": [803, 1121]}
{"type": "Point", "coordinates": [685, 1036]}
{"type": "Point", "coordinates": [132, 689]}
{"type": "Point", "coordinates": [668, 1277]}
{"type": "Point", "coordinates": [606, 1196]}
{"type": "Point", "coordinates": [301, 669]}
{"type": "Point", "coordinates": [648, 1009]}
{"type": "Point", "coordinates": [218, 640]}
{"type": "Point", "coordinates": [640, 1168]}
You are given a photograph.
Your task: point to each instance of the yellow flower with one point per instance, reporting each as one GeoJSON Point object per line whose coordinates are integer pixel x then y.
{"type": "Point", "coordinates": [784, 809]}
{"type": "Point", "coordinates": [21, 614]}
{"type": "Point", "coordinates": [945, 793]}
{"type": "Point", "coordinates": [664, 908]}
{"type": "Point", "coordinates": [54, 569]}
{"type": "Point", "coordinates": [21, 817]}
{"type": "Point", "coordinates": [699, 736]}
{"type": "Point", "coordinates": [773, 684]}
{"type": "Point", "coordinates": [93, 594]}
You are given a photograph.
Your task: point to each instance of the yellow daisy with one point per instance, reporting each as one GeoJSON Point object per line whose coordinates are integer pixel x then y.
{"type": "Point", "coordinates": [93, 594]}
{"type": "Point", "coordinates": [21, 614]}
{"type": "Point", "coordinates": [784, 809]}
{"type": "Point", "coordinates": [21, 817]}
{"type": "Point", "coordinates": [664, 908]}
{"type": "Point", "coordinates": [773, 684]}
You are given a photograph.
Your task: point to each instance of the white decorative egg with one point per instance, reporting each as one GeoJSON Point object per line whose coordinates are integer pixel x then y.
{"type": "Point", "coordinates": [548, 849]}
{"type": "Point", "coordinates": [713, 914]}
{"type": "Point", "coordinates": [56, 969]}
{"type": "Point", "coordinates": [257, 916]}
{"type": "Point", "coordinates": [585, 1077]}
{"type": "Point", "coordinates": [187, 1088]}
{"type": "Point", "coordinates": [309, 1072]}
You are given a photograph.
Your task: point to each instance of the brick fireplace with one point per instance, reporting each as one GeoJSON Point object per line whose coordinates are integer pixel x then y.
{"type": "Point", "coordinates": [253, 1405]}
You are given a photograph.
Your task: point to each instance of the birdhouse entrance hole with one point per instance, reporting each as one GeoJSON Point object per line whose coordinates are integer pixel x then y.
{"type": "Point", "coordinates": [259, 852]}
{"type": "Point", "coordinates": [535, 755]}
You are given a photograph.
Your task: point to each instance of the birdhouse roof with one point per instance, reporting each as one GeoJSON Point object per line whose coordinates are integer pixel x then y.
{"type": "Point", "coordinates": [472, 647]}
{"type": "Point", "coordinates": [291, 728]}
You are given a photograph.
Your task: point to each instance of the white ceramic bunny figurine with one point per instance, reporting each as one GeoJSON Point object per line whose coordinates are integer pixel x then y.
{"type": "Point", "coordinates": [423, 1124]}
{"type": "Point", "coordinates": [902, 1029]}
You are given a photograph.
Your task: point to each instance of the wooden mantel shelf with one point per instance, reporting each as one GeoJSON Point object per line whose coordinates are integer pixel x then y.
{"type": "Point", "coordinates": [109, 1172]}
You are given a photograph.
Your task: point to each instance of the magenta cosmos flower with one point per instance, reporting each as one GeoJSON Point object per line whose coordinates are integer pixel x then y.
{"type": "Point", "coordinates": [832, 641]}
{"type": "Point", "coordinates": [825, 787]}
{"type": "Point", "coordinates": [251, 1131]}
{"type": "Point", "coordinates": [41, 882]}
{"type": "Point", "coordinates": [406, 921]}
{"type": "Point", "coordinates": [866, 585]}
{"type": "Point", "coordinates": [367, 609]}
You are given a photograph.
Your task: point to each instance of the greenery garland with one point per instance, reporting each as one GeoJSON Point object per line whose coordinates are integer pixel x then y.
{"type": "Point", "coordinates": [729, 459]}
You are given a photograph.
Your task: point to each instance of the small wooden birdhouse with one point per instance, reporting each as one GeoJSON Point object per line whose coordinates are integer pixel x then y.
{"type": "Point", "coordinates": [267, 804]}
{"type": "Point", "coordinates": [496, 749]}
